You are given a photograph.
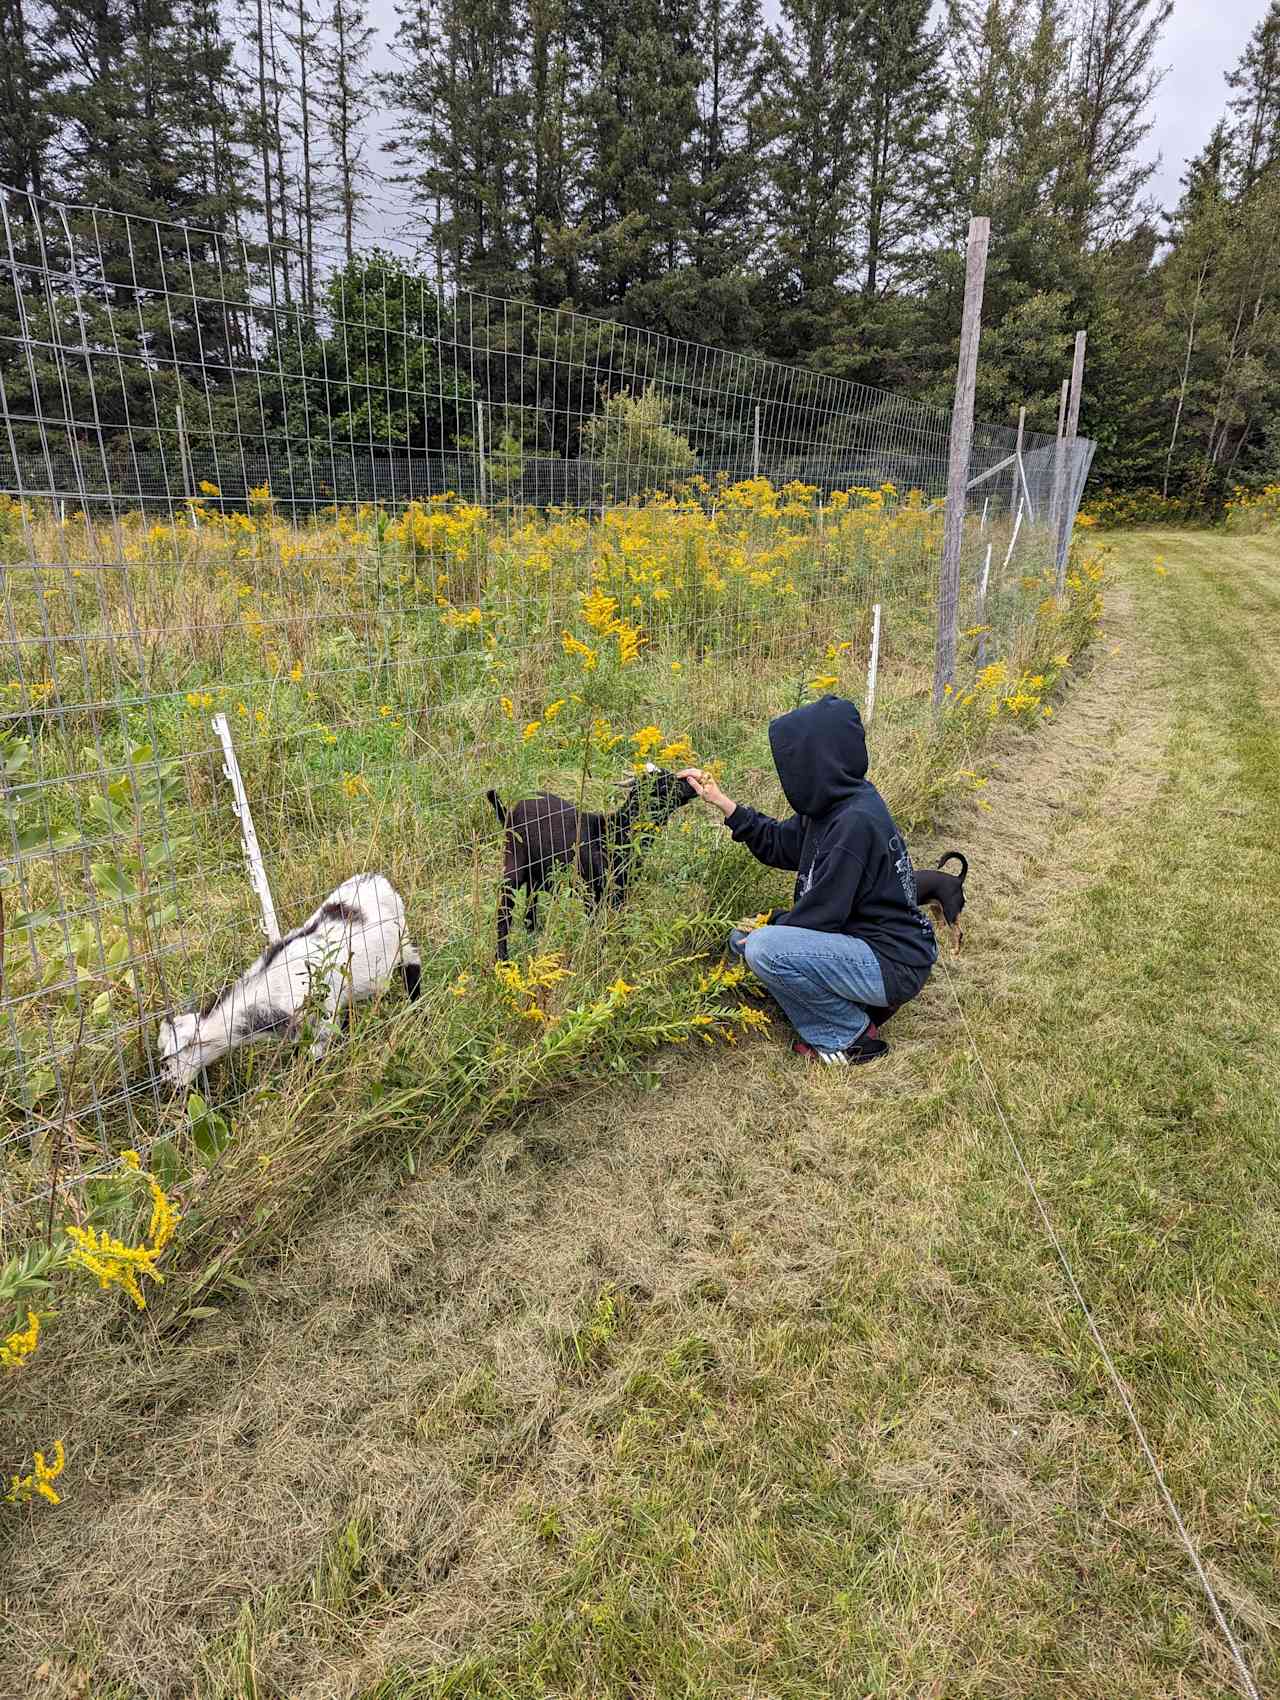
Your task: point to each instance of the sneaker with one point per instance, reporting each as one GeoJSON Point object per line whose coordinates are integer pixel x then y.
{"type": "Point", "coordinates": [864, 1049]}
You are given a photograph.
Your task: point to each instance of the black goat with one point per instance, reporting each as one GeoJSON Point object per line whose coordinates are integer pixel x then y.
{"type": "Point", "coordinates": [545, 833]}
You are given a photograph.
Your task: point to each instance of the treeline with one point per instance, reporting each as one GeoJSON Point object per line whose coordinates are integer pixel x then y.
{"type": "Point", "coordinates": [799, 190]}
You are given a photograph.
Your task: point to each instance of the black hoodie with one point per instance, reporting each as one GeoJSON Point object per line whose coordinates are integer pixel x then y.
{"type": "Point", "coordinates": [855, 875]}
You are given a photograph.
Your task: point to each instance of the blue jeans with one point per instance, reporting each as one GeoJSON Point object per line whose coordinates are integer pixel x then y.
{"type": "Point", "coordinates": [824, 981]}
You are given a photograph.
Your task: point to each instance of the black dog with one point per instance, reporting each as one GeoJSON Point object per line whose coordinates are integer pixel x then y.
{"type": "Point", "coordinates": [946, 891]}
{"type": "Point", "coordinates": [545, 833]}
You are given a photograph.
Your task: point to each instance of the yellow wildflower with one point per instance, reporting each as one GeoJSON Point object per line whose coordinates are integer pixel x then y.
{"type": "Point", "coordinates": [629, 643]}
{"type": "Point", "coordinates": [461, 985]}
{"type": "Point", "coordinates": [823, 682]}
{"type": "Point", "coordinates": [384, 710]}
{"type": "Point", "coordinates": [599, 610]}
{"type": "Point", "coordinates": [553, 708]}
{"type": "Point", "coordinates": [24, 1488]}
{"type": "Point", "coordinates": [620, 990]}
{"type": "Point", "coordinates": [112, 1262]}
{"type": "Point", "coordinates": [646, 740]}
{"type": "Point", "coordinates": [574, 646]}
{"type": "Point", "coordinates": [679, 749]}
{"type": "Point", "coordinates": [17, 1347]}
{"type": "Point", "coordinates": [507, 707]}
{"type": "Point", "coordinates": [355, 785]}
{"type": "Point", "coordinates": [531, 729]}
{"type": "Point", "coordinates": [295, 672]}
{"type": "Point", "coordinates": [207, 489]}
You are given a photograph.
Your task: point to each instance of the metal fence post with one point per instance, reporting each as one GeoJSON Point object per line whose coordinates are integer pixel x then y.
{"type": "Point", "coordinates": [755, 445]}
{"type": "Point", "coordinates": [944, 667]}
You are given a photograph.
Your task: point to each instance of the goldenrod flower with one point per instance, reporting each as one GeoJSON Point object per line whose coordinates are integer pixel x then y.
{"type": "Point", "coordinates": [574, 646]}
{"type": "Point", "coordinates": [113, 1263]}
{"type": "Point", "coordinates": [679, 749]}
{"type": "Point", "coordinates": [824, 682]}
{"type": "Point", "coordinates": [531, 730]}
{"type": "Point", "coordinates": [355, 785]}
{"type": "Point", "coordinates": [507, 707]}
{"type": "Point", "coordinates": [17, 1347]}
{"type": "Point", "coordinates": [620, 990]}
{"type": "Point", "coordinates": [646, 740]}
{"type": "Point", "coordinates": [24, 1488]}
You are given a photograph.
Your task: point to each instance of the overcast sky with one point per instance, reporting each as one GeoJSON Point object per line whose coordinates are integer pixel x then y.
{"type": "Point", "coordinates": [1202, 42]}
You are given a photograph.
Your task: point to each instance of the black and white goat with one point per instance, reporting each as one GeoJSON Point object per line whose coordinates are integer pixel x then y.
{"type": "Point", "coordinates": [344, 953]}
{"type": "Point", "coordinates": [546, 833]}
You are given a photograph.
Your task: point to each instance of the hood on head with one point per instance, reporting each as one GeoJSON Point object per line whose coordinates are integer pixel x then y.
{"type": "Point", "coordinates": [820, 752]}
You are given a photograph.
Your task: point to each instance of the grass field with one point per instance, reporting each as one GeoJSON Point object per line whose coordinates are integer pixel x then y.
{"type": "Point", "coordinates": [736, 1380]}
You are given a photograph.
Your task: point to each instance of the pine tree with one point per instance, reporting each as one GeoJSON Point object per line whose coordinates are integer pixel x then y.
{"type": "Point", "coordinates": [902, 99]}
{"type": "Point", "coordinates": [816, 92]}
{"type": "Point", "coordinates": [348, 98]}
{"type": "Point", "coordinates": [637, 116]}
{"type": "Point", "coordinates": [1256, 107]}
{"type": "Point", "coordinates": [1114, 77]}
{"type": "Point", "coordinates": [312, 201]}
{"type": "Point", "coordinates": [28, 124]}
{"type": "Point", "coordinates": [463, 139]}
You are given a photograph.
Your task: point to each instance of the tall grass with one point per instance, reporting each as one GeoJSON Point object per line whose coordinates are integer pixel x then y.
{"type": "Point", "coordinates": [380, 671]}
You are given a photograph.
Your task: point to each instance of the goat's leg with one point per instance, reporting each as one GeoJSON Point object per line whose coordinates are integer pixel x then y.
{"type": "Point", "coordinates": [506, 902]}
{"type": "Point", "coordinates": [411, 967]}
{"type": "Point", "coordinates": [532, 894]}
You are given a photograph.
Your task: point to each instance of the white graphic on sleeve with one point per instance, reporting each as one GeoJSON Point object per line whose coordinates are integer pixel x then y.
{"type": "Point", "coordinates": [906, 873]}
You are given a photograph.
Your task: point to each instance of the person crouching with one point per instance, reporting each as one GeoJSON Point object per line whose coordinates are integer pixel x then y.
{"type": "Point", "coordinates": [854, 946]}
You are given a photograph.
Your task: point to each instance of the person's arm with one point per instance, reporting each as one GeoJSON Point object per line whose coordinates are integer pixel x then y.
{"type": "Point", "coordinates": [776, 843]}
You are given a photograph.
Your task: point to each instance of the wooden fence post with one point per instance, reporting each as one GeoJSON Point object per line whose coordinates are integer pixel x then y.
{"type": "Point", "coordinates": [1015, 492]}
{"type": "Point", "coordinates": [1073, 422]}
{"type": "Point", "coordinates": [944, 667]}
{"type": "Point", "coordinates": [1059, 459]}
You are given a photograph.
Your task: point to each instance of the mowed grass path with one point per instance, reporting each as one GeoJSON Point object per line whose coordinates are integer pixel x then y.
{"type": "Point", "coordinates": [744, 1381]}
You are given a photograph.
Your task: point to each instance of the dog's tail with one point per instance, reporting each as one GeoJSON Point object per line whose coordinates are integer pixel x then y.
{"type": "Point", "coordinates": [498, 809]}
{"type": "Point", "coordinates": [955, 856]}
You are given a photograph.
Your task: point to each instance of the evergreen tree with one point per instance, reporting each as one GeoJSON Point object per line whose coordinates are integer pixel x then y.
{"type": "Point", "coordinates": [1255, 109]}
{"type": "Point", "coordinates": [816, 89]}
{"type": "Point", "coordinates": [347, 94]}
{"type": "Point", "coordinates": [28, 123]}
{"type": "Point", "coordinates": [636, 113]}
{"type": "Point", "coordinates": [462, 140]}
{"type": "Point", "coordinates": [1114, 77]}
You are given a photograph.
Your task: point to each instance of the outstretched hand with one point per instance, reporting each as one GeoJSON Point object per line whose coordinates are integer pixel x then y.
{"type": "Point", "coordinates": [709, 791]}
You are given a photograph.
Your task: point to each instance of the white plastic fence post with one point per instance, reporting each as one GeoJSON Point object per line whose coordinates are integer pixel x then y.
{"type": "Point", "coordinates": [982, 523]}
{"type": "Point", "coordinates": [1017, 457]}
{"type": "Point", "coordinates": [755, 445]}
{"type": "Point", "coordinates": [240, 807]}
{"type": "Point", "coordinates": [1017, 527]}
{"type": "Point", "coordinates": [982, 607]}
{"type": "Point", "coordinates": [873, 663]}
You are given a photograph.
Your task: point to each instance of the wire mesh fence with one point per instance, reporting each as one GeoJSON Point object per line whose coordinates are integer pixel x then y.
{"type": "Point", "coordinates": [405, 549]}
